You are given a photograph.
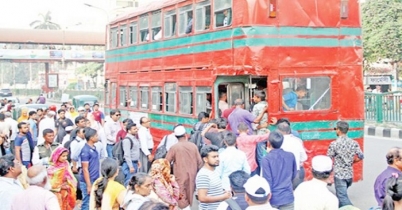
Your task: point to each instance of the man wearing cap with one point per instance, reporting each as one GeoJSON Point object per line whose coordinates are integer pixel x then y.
{"type": "Point", "coordinates": [258, 193]}
{"type": "Point", "coordinates": [314, 194]}
{"type": "Point", "coordinates": [66, 138]}
{"type": "Point", "coordinates": [345, 152]}
{"type": "Point", "coordinates": [170, 140]}
{"type": "Point", "coordinates": [237, 181]}
{"type": "Point", "coordinates": [186, 162]}
{"type": "Point", "coordinates": [43, 151]}
{"type": "Point", "coordinates": [47, 123]}
{"type": "Point", "coordinates": [279, 168]}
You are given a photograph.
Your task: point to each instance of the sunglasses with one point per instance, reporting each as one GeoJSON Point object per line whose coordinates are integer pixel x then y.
{"type": "Point", "coordinates": [118, 115]}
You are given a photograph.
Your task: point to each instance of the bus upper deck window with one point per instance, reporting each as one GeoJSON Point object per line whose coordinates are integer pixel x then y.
{"type": "Point", "coordinates": [170, 24]}
{"type": "Point", "coordinates": [113, 37]}
{"type": "Point", "coordinates": [133, 33]}
{"type": "Point", "coordinates": [186, 20]}
{"type": "Point", "coordinates": [156, 24]}
{"type": "Point", "coordinates": [223, 13]}
{"type": "Point", "coordinates": [144, 30]}
{"type": "Point", "coordinates": [123, 35]}
{"type": "Point", "coordinates": [203, 16]}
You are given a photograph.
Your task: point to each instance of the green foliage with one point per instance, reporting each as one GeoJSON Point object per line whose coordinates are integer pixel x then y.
{"type": "Point", "coordinates": [45, 22]}
{"type": "Point", "coordinates": [90, 69]}
{"type": "Point", "coordinates": [382, 29]}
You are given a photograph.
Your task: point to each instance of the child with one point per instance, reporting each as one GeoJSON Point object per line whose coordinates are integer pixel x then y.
{"type": "Point", "coordinates": [62, 180]}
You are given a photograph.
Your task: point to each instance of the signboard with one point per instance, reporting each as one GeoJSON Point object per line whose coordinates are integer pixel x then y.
{"type": "Point", "coordinates": [384, 80]}
{"type": "Point", "coordinates": [53, 81]}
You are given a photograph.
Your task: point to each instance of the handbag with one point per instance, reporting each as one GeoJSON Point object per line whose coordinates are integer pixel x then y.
{"type": "Point", "coordinates": [161, 152]}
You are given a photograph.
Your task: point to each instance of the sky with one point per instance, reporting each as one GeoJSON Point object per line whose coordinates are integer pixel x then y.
{"type": "Point", "coordinates": [69, 14]}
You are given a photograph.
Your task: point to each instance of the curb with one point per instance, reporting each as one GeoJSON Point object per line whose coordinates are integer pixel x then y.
{"type": "Point", "coordinates": [383, 132]}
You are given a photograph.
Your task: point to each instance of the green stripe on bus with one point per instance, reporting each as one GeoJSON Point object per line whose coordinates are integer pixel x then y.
{"type": "Point", "coordinates": [225, 34]}
{"type": "Point", "coordinates": [317, 125]}
{"type": "Point", "coordinates": [173, 119]}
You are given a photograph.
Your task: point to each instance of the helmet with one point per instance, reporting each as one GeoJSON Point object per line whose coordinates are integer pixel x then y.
{"type": "Point", "coordinates": [53, 108]}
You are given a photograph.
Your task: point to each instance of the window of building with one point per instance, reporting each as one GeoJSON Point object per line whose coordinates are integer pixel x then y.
{"type": "Point", "coordinates": [203, 16]}
{"type": "Point", "coordinates": [133, 32]}
{"type": "Point", "coordinates": [186, 100]}
{"type": "Point", "coordinates": [156, 24]}
{"type": "Point", "coordinates": [170, 97]}
{"type": "Point", "coordinates": [122, 96]}
{"type": "Point", "coordinates": [144, 97]}
{"type": "Point", "coordinates": [156, 99]}
{"type": "Point", "coordinates": [134, 97]}
{"type": "Point", "coordinates": [306, 94]}
{"type": "Point", "coordinates": [123, 35]}
{"type": "Point", "coordinates": [113, 37]}
{"type": "Point", "coordinates": [223, 13]}
{"type": "Point", "coordinates": [144, 30]}
{"type": "Point", "coordinates": [114, 93]}
{"type": "Point", "coordinates": [186, 20]}
{"type": "Point", "coordinates": [170, 23]}
{"type": "Point", "coordinates": [203, 99]}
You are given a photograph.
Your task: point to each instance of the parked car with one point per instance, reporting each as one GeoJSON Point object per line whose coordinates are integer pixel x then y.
{"type": "Point", "coordinates": [5, 93]}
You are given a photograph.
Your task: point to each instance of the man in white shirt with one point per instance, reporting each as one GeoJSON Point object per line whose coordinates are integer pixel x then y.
{"type": "Point", "coordinates": [294, 145]}
{"type": "Point", "coordinates": [223, 105]}
{"type": "Point", "coordinates": [5, 128]}
{"type": "Point", "coordinates": [112, 127]}
{"type": "Point", "coordinates": [170, 139]}
{"type": "Point", "coordinates": [314, 194]}
{"type": "Point", "coordinates": [10, 169]}
{"type": "Point", "coordinates": [46, 123]}
{"type": "Point", "coordinates": [13, 123]}
{"type": "Point", "coordinates": [231, 160]}
{"type": "Point", "coordinates": [146, 144]}
{"type": "Point", "coordinates": [258, 193]}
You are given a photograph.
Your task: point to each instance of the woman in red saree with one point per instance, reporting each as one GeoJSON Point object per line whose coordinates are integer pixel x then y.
{"type": "Point", "coordinates": [62, 180]}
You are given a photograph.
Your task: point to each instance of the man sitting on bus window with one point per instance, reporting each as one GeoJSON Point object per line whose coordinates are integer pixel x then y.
{"type": "Point", "coordinates": [289, 101]}
{"type": "Point", "coordinates": [189, 28]}
{"type": "Point", "coordinates": [226, 21]}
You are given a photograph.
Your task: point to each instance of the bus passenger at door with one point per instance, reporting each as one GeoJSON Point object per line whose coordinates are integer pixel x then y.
{"type": "Point", "coordinates": [239, 115]}
{"type": "Point", "coordinates": [260, 104]}
{"type": "Point", "coordinates": [289, 101]}
{"type": "Point", "coordinates": [223, 105]}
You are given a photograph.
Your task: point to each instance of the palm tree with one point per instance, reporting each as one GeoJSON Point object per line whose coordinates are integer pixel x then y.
{"type": "Point", "coordinates": [45, 23]}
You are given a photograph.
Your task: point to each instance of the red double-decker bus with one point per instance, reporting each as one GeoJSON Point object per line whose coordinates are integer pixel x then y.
{"type": "Point", "coordinates": [173, 58]}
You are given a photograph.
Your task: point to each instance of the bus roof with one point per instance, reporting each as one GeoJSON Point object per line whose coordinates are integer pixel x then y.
{"type": "Point", "coordinates": [150, 6]}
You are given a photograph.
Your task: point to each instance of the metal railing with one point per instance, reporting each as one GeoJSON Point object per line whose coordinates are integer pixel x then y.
{"type": "Point", "coordinates": [383, 107]}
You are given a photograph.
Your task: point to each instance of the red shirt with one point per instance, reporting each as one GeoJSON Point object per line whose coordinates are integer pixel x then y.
{"type": "Point", "coordinates": [226, 113]}
{"type": "Point", "coordinates": [98, 116]}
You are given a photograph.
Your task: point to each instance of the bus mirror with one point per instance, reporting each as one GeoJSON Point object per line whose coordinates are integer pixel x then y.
{"type": "Point", "coordinates": [308, 83]}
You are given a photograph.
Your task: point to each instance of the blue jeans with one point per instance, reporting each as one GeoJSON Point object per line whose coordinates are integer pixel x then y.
{"type": "Point", "coordinates": [85, 196]}
{"type": "Point", "coordinates": [341, 187]}
{"type": "Point", "coordinates": [126, 171]}
{"type": "Point", "coordinates": [109, 149]}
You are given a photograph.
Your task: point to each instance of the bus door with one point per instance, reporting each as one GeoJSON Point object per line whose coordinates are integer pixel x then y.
{"type": "Point", "coordinates": [228, 89]}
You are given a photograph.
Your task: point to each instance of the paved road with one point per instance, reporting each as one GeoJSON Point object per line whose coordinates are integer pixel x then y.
{"type": "Point", "coordinates": [361, 193]}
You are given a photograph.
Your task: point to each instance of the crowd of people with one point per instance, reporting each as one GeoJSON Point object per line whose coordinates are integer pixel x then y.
{"type": "Point", "coordinates": [63, 159]}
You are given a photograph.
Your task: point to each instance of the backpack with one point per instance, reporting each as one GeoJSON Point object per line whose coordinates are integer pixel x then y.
{"type": "Point", "coordinates": [197, 138]}
{"type": "Point", "coordinates": [67, 145]}
{"type": "Point", "coordinates": [233, 204]}
{"type": "Point", "coordinates": [118, 152]}
{"type": "Point", "coordinates": [161, 152]}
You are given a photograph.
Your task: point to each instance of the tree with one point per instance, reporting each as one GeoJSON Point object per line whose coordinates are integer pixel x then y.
{"type": "Point", "coordinates": [45, 22]}
{"type": "Point", "coordinates": [382, 34]}
{"type": "Point", "coordinates": [90, 69]}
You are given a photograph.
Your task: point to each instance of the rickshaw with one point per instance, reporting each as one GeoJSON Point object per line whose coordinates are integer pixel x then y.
{"type": "Point", "coordinates": [80, 100]}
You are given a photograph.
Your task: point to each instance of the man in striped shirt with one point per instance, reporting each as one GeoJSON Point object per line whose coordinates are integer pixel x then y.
{"type": "Point", "coordinates": [208, 184]}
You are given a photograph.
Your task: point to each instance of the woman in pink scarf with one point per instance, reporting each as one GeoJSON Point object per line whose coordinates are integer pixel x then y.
{"type": "Point", "coordinates": [62, 180]}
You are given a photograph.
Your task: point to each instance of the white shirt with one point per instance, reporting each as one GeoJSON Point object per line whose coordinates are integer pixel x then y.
{"type": "Point", "coordinates": [9, 187]}
{"type": "Point", "coordinates": [294, 145]}
{"type": "Point", "coordinates": [66, 138]}
{"type": "Point", "coordinates": [14, 127]}
{"type": "Point", "coordinates": [171, 140]}
{"type": "Point", "coordinates": [231, 160]}
{"type": "Point", "coordinates": [266, 206]}
{"type": "Point", "coordinates": [314, 195]}
{"type": "Point", "coordinates": [146, 140]}
{"type": "Point", "coordinates": [223, 105]}
{"type": "Point", "coordinates": [5, 128]}
{"type": "Point", "coordinates": [111, 129]}
{"type": "Point", "coordinates": [46, 123]}
{"type": "Point", "coordinates": [75, 148]}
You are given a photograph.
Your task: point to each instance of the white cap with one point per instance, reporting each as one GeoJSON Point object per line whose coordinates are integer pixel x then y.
{"type": "Point", "coordinates": [51, 113]}
{"type": "Point", "coordinates": [179, 131]}
{"type": "Point", "coordinates": [69, 128]}
{"type": "Point", "coordinates": [254, 183]}
{"type": "Point", "coordinates": [81, 108]}
{"type": "Point", "coordinates": [321, 163]}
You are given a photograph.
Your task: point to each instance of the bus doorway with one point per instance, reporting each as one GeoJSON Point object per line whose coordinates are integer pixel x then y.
{"type": "Point", "coordinates": [228, 89]}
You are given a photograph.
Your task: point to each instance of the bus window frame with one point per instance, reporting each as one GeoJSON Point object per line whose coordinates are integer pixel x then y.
{"type": "Point", "coordinates": [184, 9]}
{"type": "Point", "coordinates": [136, 32]}
{"type": "Point", "coordinates": [205, 92]}
{"type": "Point", "coordinates": [123, 35]}
{"type": "Point", "coordinates": [130, 86]}
{"type": "Point", "coordinates": [154, 89]}
{"type": "Point", "coordinates": [140, 28]}
{"type": "Point", "coordinates": [222, 10]}
{"type": "Point", "coordinates": [152, 27]}
{"type": "Point", "coordinates": [332, 87]}
{"type": "Point", "coordinates": [113, 93]}
{"type": "Point", "coordinates": [170, 14]}
{"type": "Point", "coordinates": [191, 92]}
{"type": "Point", "coordinates": [141, 88]}
{"type": "Point", "coordinates": [166, 92]}
{"type": "Point", "coordinates": [113, 37]}
{"type": "Point", "coordinates": [202, 4]}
